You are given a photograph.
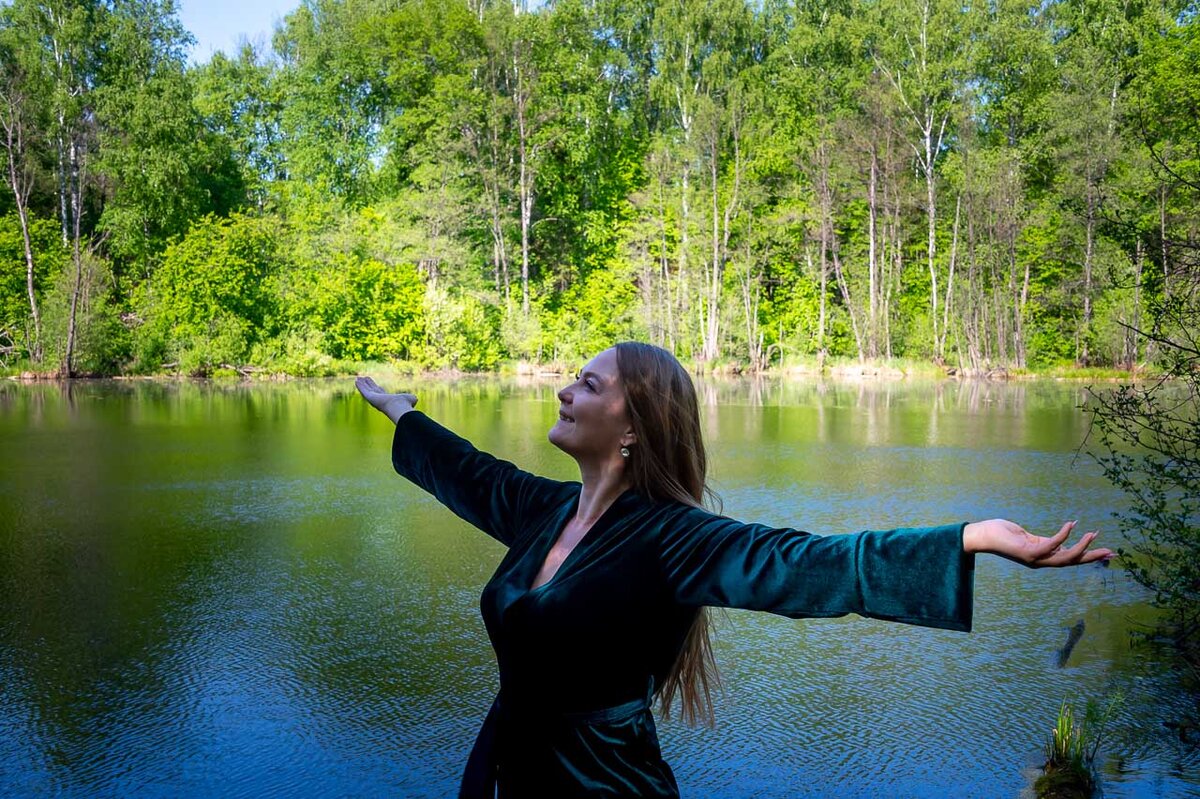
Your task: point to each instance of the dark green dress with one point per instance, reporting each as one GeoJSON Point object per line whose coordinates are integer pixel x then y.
{"type": "Point", "coordinates": [579, 655]}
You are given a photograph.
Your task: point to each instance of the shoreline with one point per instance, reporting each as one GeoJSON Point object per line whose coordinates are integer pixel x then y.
{"type": "Point", "coordinates": [849, 370]}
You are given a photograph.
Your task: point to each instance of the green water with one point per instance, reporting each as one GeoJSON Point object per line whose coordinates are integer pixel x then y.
{"type": "Point", "coordinates": [222, 589]}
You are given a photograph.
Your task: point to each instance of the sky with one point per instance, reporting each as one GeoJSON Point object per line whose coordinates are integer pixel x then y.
{"type": "Point", "coordinates": [222, 24]}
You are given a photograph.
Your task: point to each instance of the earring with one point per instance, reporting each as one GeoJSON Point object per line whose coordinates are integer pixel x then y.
{"type": "Point", "coordinates": [624, 452]}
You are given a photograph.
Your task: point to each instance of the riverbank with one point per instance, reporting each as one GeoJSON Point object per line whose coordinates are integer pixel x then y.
{"type": "Point", "coordinates": [803, 367]}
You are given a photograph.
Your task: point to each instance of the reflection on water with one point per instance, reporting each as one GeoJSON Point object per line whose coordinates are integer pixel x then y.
{"type": "Point", "coordinates": [223, 589]}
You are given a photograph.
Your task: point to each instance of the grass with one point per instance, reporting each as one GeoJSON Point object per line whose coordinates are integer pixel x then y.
{"type": "Point", "coordinates": [842, 366]}
{"type": "Point", "coordinates": [1068, 371]}
{"type": "Point", "coordinates": [24, 366]}
{"type": "Point", "coordinates": [1071, 750]}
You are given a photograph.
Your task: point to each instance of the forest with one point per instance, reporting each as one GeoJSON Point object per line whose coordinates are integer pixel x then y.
{"type": "Point", "coordinates": [465, 185]}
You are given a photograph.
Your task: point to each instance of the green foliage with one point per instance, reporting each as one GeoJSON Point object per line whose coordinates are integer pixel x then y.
{"type": "Point", "coordinates": [164, 168]}
{"type": "Point", "coordinates": [222, 344]}
{"type": "Point", "coordinates": [238, 102]}
{"type": "Point", "coordinates": [1167, 92]}
{"type": "Point", "coordinates": [50, 258]}
{"type": "Point", "coordinates": [365, 310]}
{"type": "Point", "coordinates": [1148, 435]}
{"type": "Point", "coordinates": [521, 333]}
{"type": "Point", "coordinates": [1068, 742]}
{"type": "Point", "coordinates": [332, 104]}
{"type": "Point", "coordinates": [1112, 338]}
{"type": "Point", "coordinates": [790, 312]}
{"type": "Point", "coordinates": [213, 296]}
{"type": "Point", "coordinates": [375, 183]}
{"type": "Point", "coordinates": [465, 331]}
{"type": "Point", "coordinates": [1050, 314]}
{"type": "Point", "coordinates": [103, 342]}
{"type": "Point", "coordinates": [593, 315]}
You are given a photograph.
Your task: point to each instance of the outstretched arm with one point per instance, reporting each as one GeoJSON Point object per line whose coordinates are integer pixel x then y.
{"type": "Point", "coordinates": [492, 494]}
{"type": "Point", "coordinates": [914, 575]}
{"type": "Point", "coordinates": [918, 576]}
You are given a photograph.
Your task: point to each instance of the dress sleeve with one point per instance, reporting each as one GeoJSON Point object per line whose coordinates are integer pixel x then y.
{"type": "Point", "coordinates": [492, 494]}
{"type": "Point", "coordinates": [916, 575]}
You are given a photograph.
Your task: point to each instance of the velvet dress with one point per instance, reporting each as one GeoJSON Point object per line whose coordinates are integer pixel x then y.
{"type": "Point", "coordinates": [581, 655]}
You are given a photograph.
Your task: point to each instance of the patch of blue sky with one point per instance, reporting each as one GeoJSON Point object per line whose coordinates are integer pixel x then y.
{"type": "Point", "coordinates": [223, 25]}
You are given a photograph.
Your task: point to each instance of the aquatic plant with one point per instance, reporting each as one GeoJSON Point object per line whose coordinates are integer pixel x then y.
{"type": "Point", "coordinates": [1071, 750]}
{"type": "Point", "coordinates": [1066, 748]}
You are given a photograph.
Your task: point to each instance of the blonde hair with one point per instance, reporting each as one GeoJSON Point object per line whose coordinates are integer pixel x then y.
{"type": "Point", "coordinates": [669, 462]}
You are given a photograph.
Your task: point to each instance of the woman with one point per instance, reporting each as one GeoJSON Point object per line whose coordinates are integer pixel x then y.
{"type": "Point", "coordinates": [599, 604]}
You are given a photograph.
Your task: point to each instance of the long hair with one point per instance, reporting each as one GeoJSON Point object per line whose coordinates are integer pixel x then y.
{"type": "Point", "coordinates": [669, 463]}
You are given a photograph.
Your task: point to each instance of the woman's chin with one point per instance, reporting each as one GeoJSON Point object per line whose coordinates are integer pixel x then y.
{"type": "Point", "coordinates": [560, 435]}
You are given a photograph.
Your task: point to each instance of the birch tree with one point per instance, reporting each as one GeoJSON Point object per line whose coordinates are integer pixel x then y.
{"type": "Point", "coordinates": [923, 47]}
{"type": "Point", "coordinates": [18, 119]}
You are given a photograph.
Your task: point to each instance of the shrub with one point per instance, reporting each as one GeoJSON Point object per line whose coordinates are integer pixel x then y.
{"type": "Point", "coordinates": [213, 296]}
{"type": "Point", "coordinates": [1149, 447]}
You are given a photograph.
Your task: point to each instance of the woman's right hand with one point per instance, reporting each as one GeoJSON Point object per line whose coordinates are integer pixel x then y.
{"type": "Point", "coordinates": [393, 406]}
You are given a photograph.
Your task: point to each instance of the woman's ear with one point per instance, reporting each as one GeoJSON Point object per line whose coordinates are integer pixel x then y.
{"type": "Point", "coordinates": [628, 438]}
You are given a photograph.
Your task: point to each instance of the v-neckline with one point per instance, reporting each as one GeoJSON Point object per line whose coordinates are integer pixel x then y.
{"type": "Point", "coordinates": [556, 533]}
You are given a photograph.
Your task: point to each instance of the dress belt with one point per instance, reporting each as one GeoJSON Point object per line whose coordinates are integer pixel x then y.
{"type": "Point", "coordinates": [479, 777]}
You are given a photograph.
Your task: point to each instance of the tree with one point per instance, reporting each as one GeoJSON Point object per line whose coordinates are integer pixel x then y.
{"type": "Point", "coordinates": [237, 99]}
{"type": "Point", "coordinates": [63, 47]}
{"type": "Point", "coordinates": [17, 238]}
{"type": "Point", "coordinates": [1096, 44]}
{"type": "Point", "coordinates": [18, 118]}
{"type": "Point", "coordinates": [1147, 436]}
{"type": "Point", "coordinates": [923, 48]}
{"type": "Point", "coordinates": [333, 96]}
{"type": "Point", "coordinates": [161, 167]}
{"type": "Point", "coordinates": [700, 52]}
{"type": "Point", "coordinates": [367, 310]}
{"type": "Point", "coordinates": [1149, 447]}
{"type": "Point", "coordinates": [817, 71]}
{"type": "Point", "coordinates": [1006, 176]}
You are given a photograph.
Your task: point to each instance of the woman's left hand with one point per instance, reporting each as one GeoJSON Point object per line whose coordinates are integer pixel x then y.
{"type": "Point", "coordinates": [1008, 540]}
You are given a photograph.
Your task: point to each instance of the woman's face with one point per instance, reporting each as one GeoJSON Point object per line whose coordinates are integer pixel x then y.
{"type": "Point", "coordinates": [592, 419]}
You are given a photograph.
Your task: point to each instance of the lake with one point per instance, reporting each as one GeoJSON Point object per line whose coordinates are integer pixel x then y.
{"type": "Point", "coordinates": [224, 589]}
